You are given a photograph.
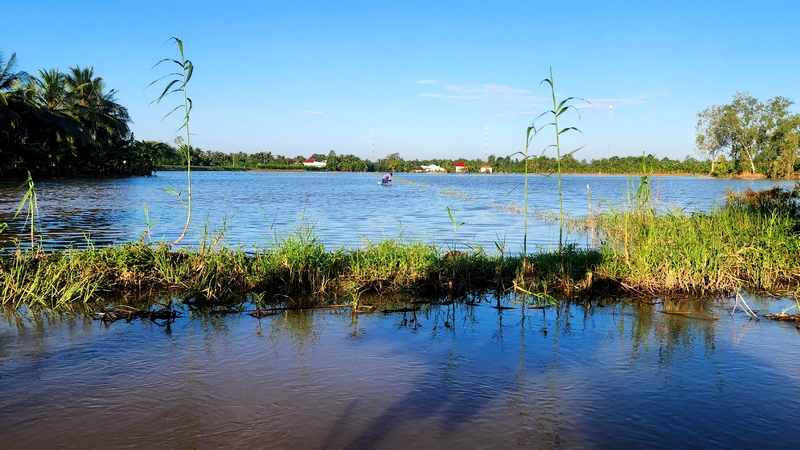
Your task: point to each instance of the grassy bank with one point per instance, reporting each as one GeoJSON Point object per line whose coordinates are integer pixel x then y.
{"type": "Point", "coordinates": [752, 242]}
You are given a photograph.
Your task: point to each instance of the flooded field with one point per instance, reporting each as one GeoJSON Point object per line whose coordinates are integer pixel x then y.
{"type": "Point", "coordinates": [585, 374]}
{"type": "Point", "coordinates": [344, 208]}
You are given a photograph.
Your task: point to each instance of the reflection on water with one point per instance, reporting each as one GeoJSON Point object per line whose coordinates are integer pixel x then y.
{"type": "Point", "coordinates": [344, 207]}
{"type": "Point", "coordinates": [609, 375]}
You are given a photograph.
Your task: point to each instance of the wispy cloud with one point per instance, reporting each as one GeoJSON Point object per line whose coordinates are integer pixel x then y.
{"type": "Point", "coordinates": [489, 95]}
{"type": "Point", "coordinates": [452, 97]}
{"type": "Point", "coordinates": [426, 81]}
{"type": "Point", "coordinates": [515, 114]}
{"type": "Point", "coordinates": [311, 113]}
{"type": "Point", "coordinates": [606, 103]}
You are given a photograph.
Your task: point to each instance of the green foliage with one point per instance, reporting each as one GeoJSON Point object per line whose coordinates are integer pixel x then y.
{"type": "Point", "coordinates": [179, 84]}
{"type": "Point", "coordinates": [758, 137]}
{"type": "Point", "coordinates": [559, 108]}
{"type": "Point", "coordinates": [62, 123]}
{"type": "Point", "coordinates": [751, 242]}
{"type": "Point", "coordinates": [31, 205]}
{"type": "Point", "coordinates": [452, 214]}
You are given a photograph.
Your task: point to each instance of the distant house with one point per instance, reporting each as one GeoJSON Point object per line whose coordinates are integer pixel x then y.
{"type": "Point", "coordinates": [460, 167]}
{"type": "Point", "coordinates": [486, 168]}
{"type": "Point", "coordinates": [312, 163]}
{"type": "Point", "coordinates": [433, 168]}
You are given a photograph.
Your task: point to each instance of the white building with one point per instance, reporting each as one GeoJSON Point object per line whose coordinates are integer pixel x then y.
{"type": "Point", "coordinates": [433, 168]}
{"type": "Point", "coordinates": [312, 163]}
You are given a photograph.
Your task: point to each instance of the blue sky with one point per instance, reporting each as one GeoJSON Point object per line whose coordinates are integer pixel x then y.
{"type": "Point", "coordinates": [304, 77]}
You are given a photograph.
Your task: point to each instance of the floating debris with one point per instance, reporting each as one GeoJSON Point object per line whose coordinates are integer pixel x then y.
{"type": "Point", "coordinates": [783, 316]}
{"type": "Point", "coordinates": [127, 313]}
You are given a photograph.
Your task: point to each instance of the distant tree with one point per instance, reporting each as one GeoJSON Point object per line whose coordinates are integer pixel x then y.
{"type": "Point", "coordinates": [219, 159]}
{"type": "Point", "coordinates": [758, 137]}
{"type": "Point", "coordinates": [332, 161]}
{"type": "Point", "coordinates": [779, 138]}
{"type": "Point", "coordinates": [391, 163]}
{"type": "Point", "coordinates": [740, 123]}
{"type": "Point", "coordinates": [711, 139]}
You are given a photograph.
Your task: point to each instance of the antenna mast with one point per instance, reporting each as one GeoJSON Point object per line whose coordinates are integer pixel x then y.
{"type": "Point", "coordinates": [610, 117]}
{"type": "Point", "coordinates": [373, 142]}
{"type": "Point", "coordinates": [486, 147]}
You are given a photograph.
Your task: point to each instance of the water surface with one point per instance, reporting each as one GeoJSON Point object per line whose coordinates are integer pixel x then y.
{"type": "Point", "coordinates": [457, 376]}
{"type": "Point", "coordinates": [613, 375]}
{"type": "Point", "coordinates": [345, 209]}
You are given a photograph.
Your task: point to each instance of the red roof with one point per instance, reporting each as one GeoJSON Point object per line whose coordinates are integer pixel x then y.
{"type": "Point", "coordinates": [460, 164]}
{"type": "Point", "coordinates": [309, 160]}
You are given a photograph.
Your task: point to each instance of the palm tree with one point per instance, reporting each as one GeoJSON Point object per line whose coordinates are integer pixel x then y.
{"type": "Point", "coordinates": [97, 109]}
{"type": "Point", "coordinates": [51, 133]}
{"type": "Point", "coordinates": [104, 121]}
{"type": "Point", "coordinates": [9, 78]}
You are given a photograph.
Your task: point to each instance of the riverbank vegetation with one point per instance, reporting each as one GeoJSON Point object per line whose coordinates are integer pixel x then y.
{"type": "Point", "coordinates": [752, 242]}
{"type": "Point", "coordinates": [748, 136]}
{"type": "Point", "coordinates": [64, 124]}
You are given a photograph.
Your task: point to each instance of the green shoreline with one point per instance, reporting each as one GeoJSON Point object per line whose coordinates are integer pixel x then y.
{"type": "Point", "coordinates": [751, 243]}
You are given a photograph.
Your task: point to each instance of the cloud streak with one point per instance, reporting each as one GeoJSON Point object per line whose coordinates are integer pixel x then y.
{"type": "Point", "coordinates": [311, 113]}
{"type": "Point", "coordinates": [493, 96]}
{"type": "Point", "coordinates": [506, 102]}
{"type": "Point", "coordinates": [606, 103]}
{"type": "Point", "coordinates": [452, 97]}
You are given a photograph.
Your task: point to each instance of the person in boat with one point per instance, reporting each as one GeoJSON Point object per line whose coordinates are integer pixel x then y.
{"type": "Point", "coordinates": [386, 179]}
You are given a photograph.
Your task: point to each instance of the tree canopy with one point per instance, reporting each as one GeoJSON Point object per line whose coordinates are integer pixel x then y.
{"type": "Point", "coordinates": [64, 123]}
{"type": "Point", "coordinates": [747, 135]}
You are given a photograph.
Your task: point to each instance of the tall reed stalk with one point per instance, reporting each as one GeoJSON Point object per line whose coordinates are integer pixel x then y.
{"type": "Point", "coordinates": [179, 84]}
{"type": "Point", "coordinates": [31, 205]}
{"type": "Point", "coordinates": [559, 108]}
{"type": "Point", "coordinates": [528, 138]}
{"type": "Point", "coordinates": [452, 214]}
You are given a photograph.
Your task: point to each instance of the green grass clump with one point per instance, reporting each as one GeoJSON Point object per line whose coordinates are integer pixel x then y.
{"type": "Point", "coordinates": [740, 244]}
{"type": "Point", "coordinates": [745, 243]}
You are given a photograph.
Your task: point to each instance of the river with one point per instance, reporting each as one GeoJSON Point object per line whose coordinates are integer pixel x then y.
{"type": "Point", "coordinates": [344, 208]}
{"type": "Point", "coordinates": [613, 375]}
{"type": "Point", "coordinates": [607, 374]}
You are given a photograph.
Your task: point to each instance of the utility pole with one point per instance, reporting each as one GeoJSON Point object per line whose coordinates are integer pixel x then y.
{"type": "Point", "coordinates": [486, 145]}
{"type": "Point", "coordinates": [610, 117]}
{"type": "Point", "coordinates": [373, 142]}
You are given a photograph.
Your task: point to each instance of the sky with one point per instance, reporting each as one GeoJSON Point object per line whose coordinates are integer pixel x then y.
{"type": "Point", "coordinates": [434, 78]}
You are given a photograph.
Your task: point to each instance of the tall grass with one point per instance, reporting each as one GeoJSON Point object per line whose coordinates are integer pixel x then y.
{"type": "Point", "coordinates": [559, 108]}
{"type": "Point", "coordinates": [180, 84]}
{"type": "Point", "coordinates": [735, 245]}
{"type": "Point", "coordinates": [30, 204]}
{"type": "Point", "coordinates": [750, 242]}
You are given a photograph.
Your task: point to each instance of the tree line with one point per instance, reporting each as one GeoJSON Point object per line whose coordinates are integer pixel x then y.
{"type": "Point", "coordinates": [57, 123]}
{"type": "Point", "coordinates": [169, 157]}
{"type": "Point", "coordinates": [749, 136]}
